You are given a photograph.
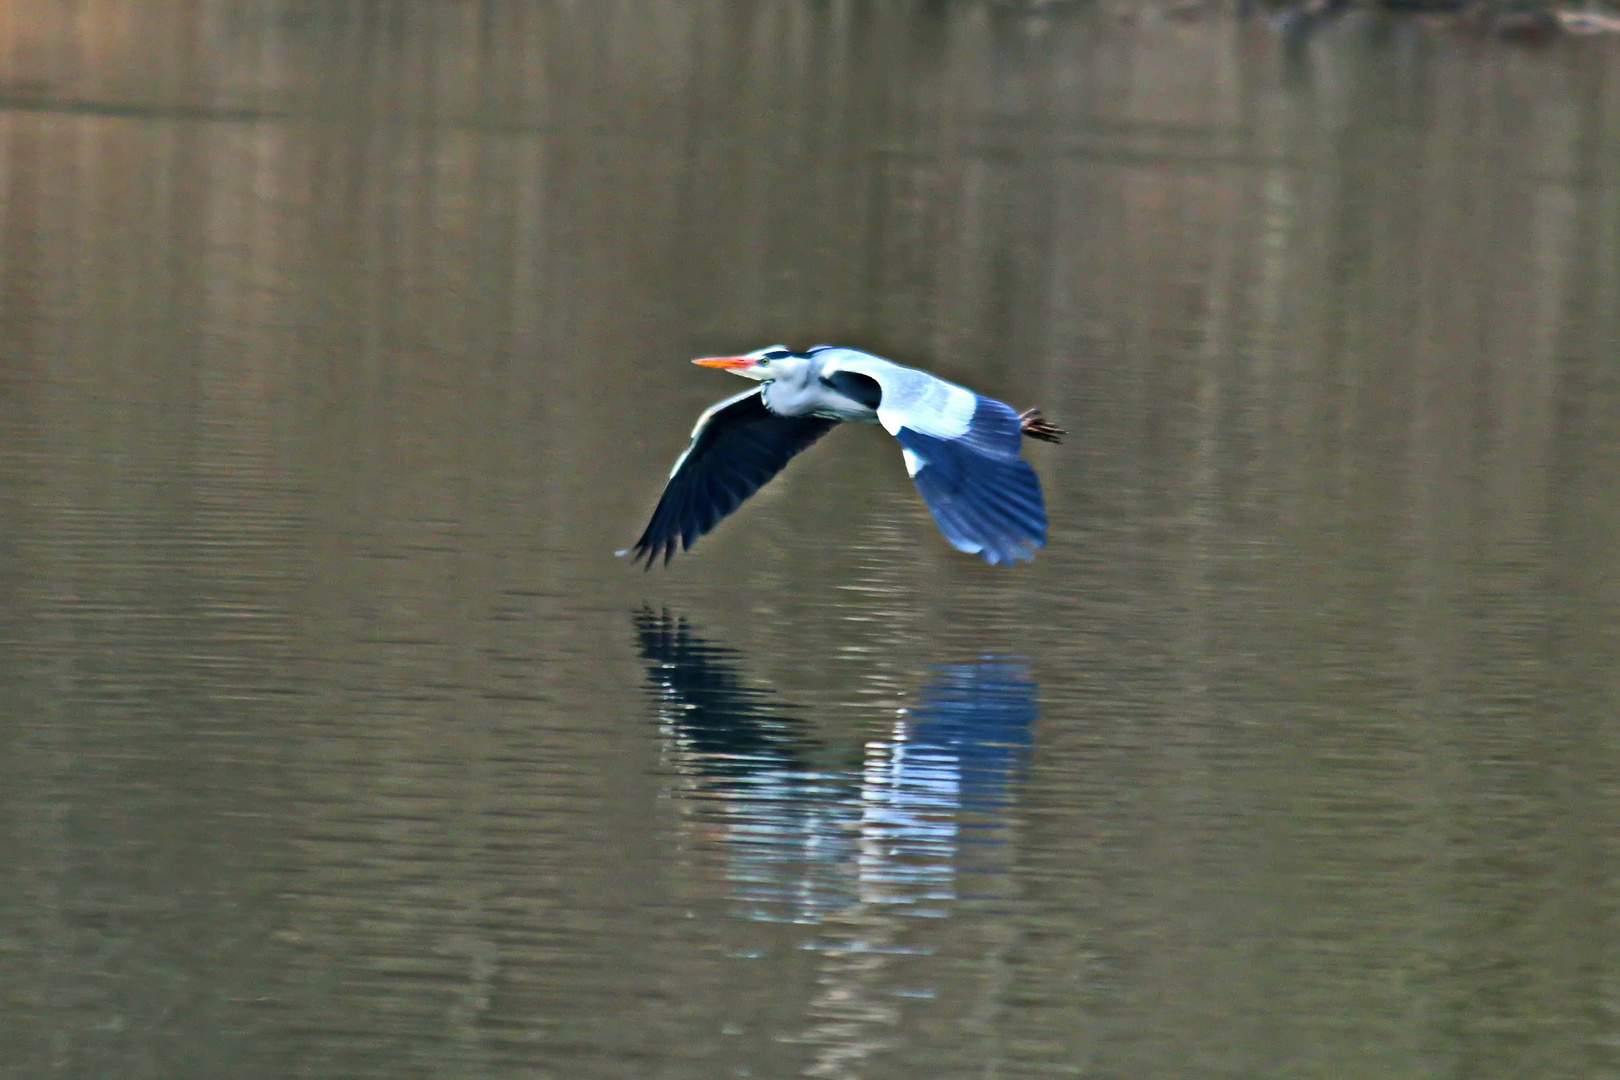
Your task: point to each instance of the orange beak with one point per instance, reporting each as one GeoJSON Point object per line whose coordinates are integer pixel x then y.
{"type": "Point", "coordinates": [727, 363]}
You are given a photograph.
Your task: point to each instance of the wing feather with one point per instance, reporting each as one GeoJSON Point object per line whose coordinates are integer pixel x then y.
{"type": "Point", "coordinates": [982, 495]}
{"type": "Point", "coordinates": [962, 451]}
{"type": "Point", "coordinates": [737, 446]}
{"type": "Point", "coordinates": [910, 398]}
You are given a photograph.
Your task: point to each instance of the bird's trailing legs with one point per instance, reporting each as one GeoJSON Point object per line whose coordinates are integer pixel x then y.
{"type": "Point", "coordinates": [1036, 426]}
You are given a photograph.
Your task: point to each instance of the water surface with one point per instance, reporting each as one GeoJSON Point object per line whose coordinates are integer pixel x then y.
{"type": "Point", "coordinates": [340, 347]}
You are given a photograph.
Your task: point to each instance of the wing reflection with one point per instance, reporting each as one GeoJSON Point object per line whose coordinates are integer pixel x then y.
{"type": "Point", "coordinates": [719, 725]}
{"type": "Point", "coordinates": [935, 795]}
{"type": "Point", "coordinates": [798, 834]}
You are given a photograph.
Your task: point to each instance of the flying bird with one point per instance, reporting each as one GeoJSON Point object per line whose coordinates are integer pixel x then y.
{"type": "Point", "coordinates": [960, 448]}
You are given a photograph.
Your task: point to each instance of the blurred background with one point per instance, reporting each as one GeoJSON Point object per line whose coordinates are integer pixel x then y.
{"type": "Point", "coordinates": [341, 345]}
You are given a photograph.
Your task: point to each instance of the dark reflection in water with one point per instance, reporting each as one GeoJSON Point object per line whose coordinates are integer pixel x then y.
{"type": "Point", "coordinates": [802, 835]}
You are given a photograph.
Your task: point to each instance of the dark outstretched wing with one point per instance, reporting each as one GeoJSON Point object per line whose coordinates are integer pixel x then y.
{"type": "Point", "coordinates": [736, 447]}
{"type": "Point", "coordinates": [984, 498]}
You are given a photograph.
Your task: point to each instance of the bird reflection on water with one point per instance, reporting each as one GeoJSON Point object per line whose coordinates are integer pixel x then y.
{"type": "Point", "coordinates": [803, 830]}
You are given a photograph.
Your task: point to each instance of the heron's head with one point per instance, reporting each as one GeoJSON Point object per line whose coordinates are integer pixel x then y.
{"type": "Point", "coordinates": [770, 364]}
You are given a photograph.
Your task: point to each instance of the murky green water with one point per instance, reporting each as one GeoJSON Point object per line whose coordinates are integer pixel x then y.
{"type": "Point", "coordinates": [341, 345]}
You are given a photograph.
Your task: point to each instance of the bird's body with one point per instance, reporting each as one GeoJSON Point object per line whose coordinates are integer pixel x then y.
{"type": "Point", "coordinates": [960, 448]}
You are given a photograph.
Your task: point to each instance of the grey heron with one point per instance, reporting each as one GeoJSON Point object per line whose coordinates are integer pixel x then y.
{"type": "Point", "coordinates": [960, 448]}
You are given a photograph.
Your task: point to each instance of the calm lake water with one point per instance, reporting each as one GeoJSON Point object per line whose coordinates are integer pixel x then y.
{"type": "Point", "coordinates": [342, 345]}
